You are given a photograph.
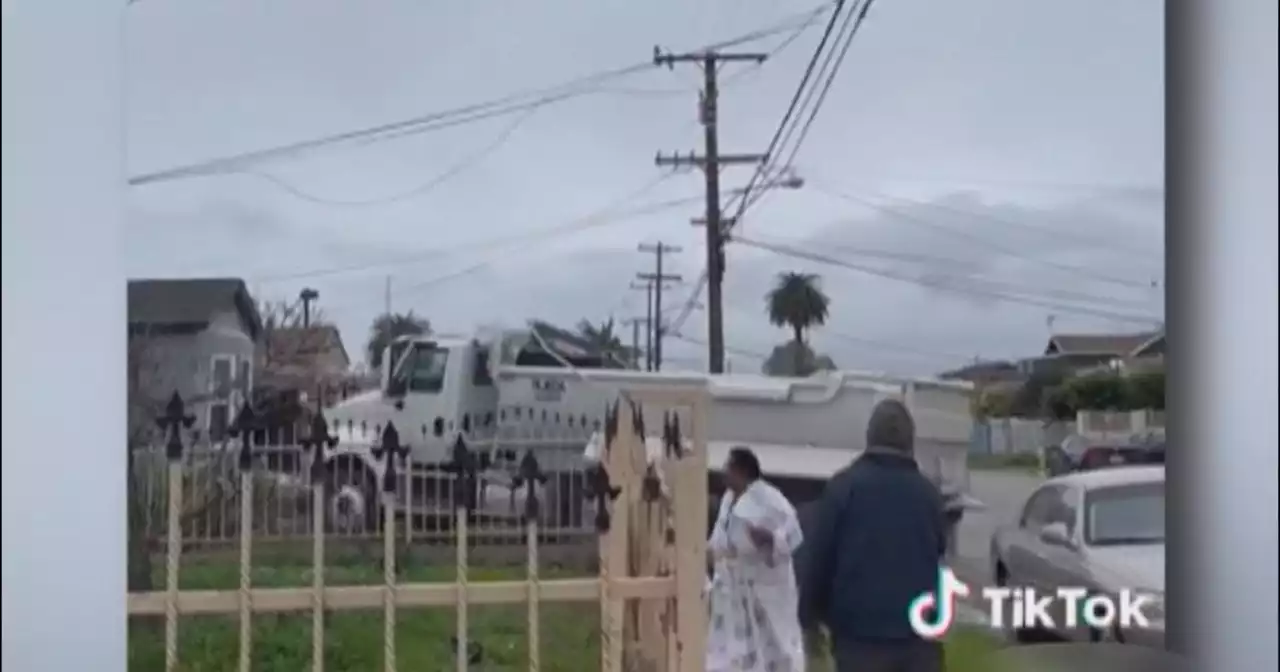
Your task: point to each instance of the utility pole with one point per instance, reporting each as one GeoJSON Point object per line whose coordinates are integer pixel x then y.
{"type": "Point", "coordinates": [657, 279]}
{"type": "Point", "coordinates": [307, 296]}
{"type": "Point", "coordinates": [386, 296]}
{"type": "Point", "coordinates": [648, 321]}
{"type": "Point", "coordinates": [635, 324]}
{"type": "Point", "coordinates": [710, 163]}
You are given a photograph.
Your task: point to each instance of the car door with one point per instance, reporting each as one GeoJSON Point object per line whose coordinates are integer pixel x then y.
{"type": "Point", "coordinates": [1023, 556]}
{"type": "Point", "coordinates": [1063, 566]}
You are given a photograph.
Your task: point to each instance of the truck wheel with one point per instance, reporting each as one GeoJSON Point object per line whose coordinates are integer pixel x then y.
{"type": "Point", "coordinates": [351, 496]}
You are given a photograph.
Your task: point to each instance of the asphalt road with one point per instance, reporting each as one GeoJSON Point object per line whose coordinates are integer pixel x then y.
{"type": "Point", "coordinates": [1003, 494]}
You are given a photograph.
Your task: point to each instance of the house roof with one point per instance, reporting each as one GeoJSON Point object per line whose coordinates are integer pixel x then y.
{"type": "Point", "coordinates": [190, 301]}
{"type": "Point", "coordinates": [980, 371]}
{"type": "Point", "coordinates": [1097, 344]}
{"type": "Point", "coordinates": [1156, 342]}
{"type": "Point", "coordinates": [304, 341]}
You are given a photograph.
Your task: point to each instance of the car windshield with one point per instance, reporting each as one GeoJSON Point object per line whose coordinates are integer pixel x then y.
{"type": "Point", "coordinates": [423, 368]}
{"type": "Point", "coordinates": [1125, 514]}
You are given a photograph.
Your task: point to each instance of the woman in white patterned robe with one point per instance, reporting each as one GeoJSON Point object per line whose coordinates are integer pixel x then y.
{"type": "Point", "coordinates": [754, 624]}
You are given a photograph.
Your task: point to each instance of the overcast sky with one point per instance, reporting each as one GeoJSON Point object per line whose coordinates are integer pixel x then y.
{"type": "Point", "coordinates": [969, 154]}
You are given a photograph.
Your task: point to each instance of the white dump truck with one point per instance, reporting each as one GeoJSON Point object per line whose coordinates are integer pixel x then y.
{"type": "Point", "coordinates": [501, 393]}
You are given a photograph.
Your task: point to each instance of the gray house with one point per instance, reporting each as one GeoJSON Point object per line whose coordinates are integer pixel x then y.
{"type": "Point", "coordinates": [196, 336]}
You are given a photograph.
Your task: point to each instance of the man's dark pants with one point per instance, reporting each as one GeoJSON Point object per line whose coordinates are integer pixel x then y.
{"type": "Point", "coordinates": [918, 656]}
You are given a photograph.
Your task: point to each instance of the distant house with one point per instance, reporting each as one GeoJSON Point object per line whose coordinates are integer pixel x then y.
{"type": "Point", "coordinates": [985, 373]}
{"type": "Point", "coordinates": [1071, 354]}
{"type": "Point", "coordinates": [311, 360]}
{"type": "Point", "coordinates": [1147, 355]}
{"type": "Point", "coordinates": [198, 337]}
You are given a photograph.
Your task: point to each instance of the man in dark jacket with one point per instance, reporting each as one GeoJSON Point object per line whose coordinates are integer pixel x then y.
{"type": "Point", "coordinates": [872, 544]}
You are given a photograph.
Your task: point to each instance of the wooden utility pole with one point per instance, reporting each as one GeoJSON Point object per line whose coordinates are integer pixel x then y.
{"type": "Point", "coordinates": [710, 163]}
{"type": "Point", "coordinates": [635, 323]}
{"type": "Point", "coordinates": [648, 322]}
{"type": "Point", "coordinates": [657, 279]}
{"type": "Point", "coordinates": [386, 298]}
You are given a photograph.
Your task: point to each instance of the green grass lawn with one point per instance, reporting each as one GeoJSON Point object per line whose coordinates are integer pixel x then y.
{"type": "Point", "coordinates": [282, 643]}
{"type": "Point", "coordinates": [1025, 462]}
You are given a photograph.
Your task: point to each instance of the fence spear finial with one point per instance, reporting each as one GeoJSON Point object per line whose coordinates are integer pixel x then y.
{"type": "Point", "coordinates": [174, 419]}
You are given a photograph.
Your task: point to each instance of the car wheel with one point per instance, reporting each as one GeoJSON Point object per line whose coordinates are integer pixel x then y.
{"type": "Point", "coordinates": [351, 498]}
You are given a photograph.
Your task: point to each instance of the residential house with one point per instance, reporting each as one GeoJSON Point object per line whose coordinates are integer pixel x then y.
{"type": "Point", "coordinates": [198, 337]}
{"type": "Point", "coordinates": [1071, 354]}
{"type": "Point", "coordinates": [1122, 353]}
{"type": "Point", "coordinates": [985, 373]}
{"type": "Point", "coordinates": [311, 360]}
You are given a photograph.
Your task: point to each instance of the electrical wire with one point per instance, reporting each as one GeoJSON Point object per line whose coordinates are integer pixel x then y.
{"type": "Point", "coordinates": [508, 104]}
{"type": "Point", "coordinates": [596, 220]}
{"type": "Point", "coordinates": [947, 287]}
{"type": "Point", "coordinates": [521, 242]}
{"type": "Point", "coordinates": [1066, 234]}
{"type": "Point", "coordinates": [420, 190]}
{"type": "Point", "coordinates": [774, 142]}
{"type": "Point", "coordinates": [828, 330]}
{"type": "Point", "coordinates": [762, 171]}
{"type": "Point", "coordinates": [978, 240]}
{"type": "Point", "coordinates": [987, 284]}
{"type": "Point", "coordinates": [809, 19]}
{"type": "Point", "coordinates": [826, 85]}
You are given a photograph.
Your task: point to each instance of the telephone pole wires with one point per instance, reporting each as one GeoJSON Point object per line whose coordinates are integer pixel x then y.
{"type": "Point", "coordinates": [710, 162]}
{"type": "Point", "coordinates": [657, 280]}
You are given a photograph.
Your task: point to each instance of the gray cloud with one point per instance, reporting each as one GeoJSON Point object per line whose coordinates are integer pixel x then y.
{"type": "Point", "coordinates": [989, 108]}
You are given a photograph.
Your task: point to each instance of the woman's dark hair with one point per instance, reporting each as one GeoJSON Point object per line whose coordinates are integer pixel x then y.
{"type": "Point", "coordinates": [743, 460]}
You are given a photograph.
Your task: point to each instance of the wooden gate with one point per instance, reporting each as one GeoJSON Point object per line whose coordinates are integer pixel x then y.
{"type": "Point", "coordinates": [650, 512]}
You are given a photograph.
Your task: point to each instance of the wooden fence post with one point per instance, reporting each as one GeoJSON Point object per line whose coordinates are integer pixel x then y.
{"type": "Point", "coordinates": [690, 502]}
{"type": "Point", "coordinates": [389, 449]}
{"type": "Point", "coordinates": [318, 440]}
{"type": "Point", "coordinates": [530, 476]}
{"type": "Point", "coordinates": [172, 422]}
{"type": "Point", "coordinates": [245, 424]}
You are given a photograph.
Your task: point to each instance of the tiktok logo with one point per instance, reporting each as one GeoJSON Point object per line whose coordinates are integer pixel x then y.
{"type": "Point", "coordinates": [932, 613]}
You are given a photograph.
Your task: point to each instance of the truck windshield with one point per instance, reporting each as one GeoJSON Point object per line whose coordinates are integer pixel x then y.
{"type": "Point", "coordinates": [423, 368]}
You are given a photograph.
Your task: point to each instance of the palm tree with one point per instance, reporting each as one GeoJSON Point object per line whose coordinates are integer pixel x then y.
{"type": "Point", "coordinates": [390, 326]}
{"type": "Point", "coordinates": [797, 301]}
{"type": "Point", "coordinates": [603, 337]}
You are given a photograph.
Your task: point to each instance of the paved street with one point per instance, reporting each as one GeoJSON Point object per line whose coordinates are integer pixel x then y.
{"type": "Point", "coordinates": [1003, 493]}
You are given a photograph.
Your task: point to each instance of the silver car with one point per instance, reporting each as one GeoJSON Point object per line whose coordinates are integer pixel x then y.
{"type": "Point", "coordinates": [1102, 530]}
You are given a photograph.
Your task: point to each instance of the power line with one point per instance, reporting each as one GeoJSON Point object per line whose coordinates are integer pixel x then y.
{"type": "Point", "coordinates": [596, 219]}
{"type": "Point", "coordinates": [980, 241]}
{"type": "Point", "coordinates": [828, 330]}
{"type": "Point", "coordinates": [425, 123]}
{"type": "Point", "coordinates": [419, 190]}
{"type": "Point", "coordinates": [947, 287]}
{"type": "Point", "coordinates": [826, 85]}
{"type": "Point", "coordinates": [772, 150]}
{"type": "Point", "coordinates": [508, 104]}
{"type": "Point", "coordinates": [601, 218]}
{"type": "Point", "coordinates": [795, 99]}
{"type": "Point", "coordinates": [983, 282]}
{"type": "Point", "coordinates": [1105, 244]}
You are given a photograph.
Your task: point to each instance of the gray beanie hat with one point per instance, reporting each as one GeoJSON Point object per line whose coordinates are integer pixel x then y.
{"type": "Point", "coordinates": [891, 427]}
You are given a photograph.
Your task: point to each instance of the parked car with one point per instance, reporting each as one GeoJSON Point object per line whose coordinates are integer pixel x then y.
{"type": "Point", "coordinates": [1102, 530]}
{"type": "Point", "coordinates": [1077, 453]}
